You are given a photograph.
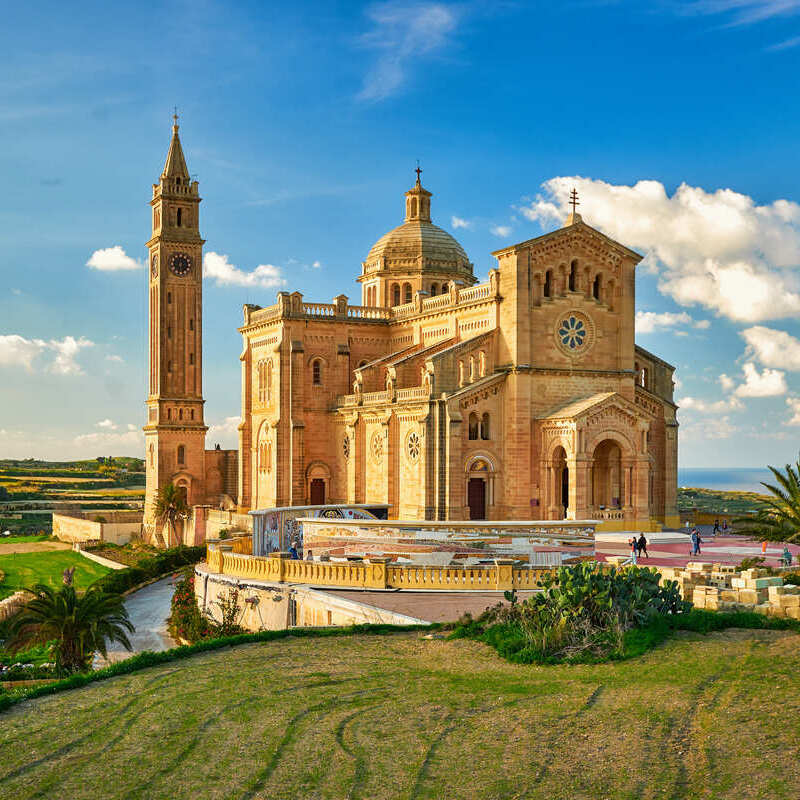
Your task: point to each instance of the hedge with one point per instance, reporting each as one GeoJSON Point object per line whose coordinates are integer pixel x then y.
{"type": "Point", "coordinates": [150, 567]}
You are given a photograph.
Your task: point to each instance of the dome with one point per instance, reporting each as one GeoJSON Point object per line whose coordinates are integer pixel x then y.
{"type": "Point", "coordinates": [418, 245]}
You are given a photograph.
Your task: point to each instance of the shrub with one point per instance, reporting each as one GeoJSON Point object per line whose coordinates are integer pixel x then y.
{"type": "Point", "coordinates": [151, 566]}
{"type": "Point", "coordinates": [185, 620]}
{"type": "Point", "coordinates": [584, 612]}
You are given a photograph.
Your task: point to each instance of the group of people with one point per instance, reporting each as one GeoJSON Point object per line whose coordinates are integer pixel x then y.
{"type": "Point", "coordinates": [638, 546]}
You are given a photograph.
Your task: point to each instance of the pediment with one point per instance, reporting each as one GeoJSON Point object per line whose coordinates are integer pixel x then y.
{"type": "Point", "coordinates": [599, 409]}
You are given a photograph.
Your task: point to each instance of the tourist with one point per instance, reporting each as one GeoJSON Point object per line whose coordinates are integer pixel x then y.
{"type": "Point", "coordinates": [293, 551]}
{"type": "Point", "coordinates": [724, 526]}
{"type": "Point", "coordinates": [716, 528]}
{"type": "Point", "coordinates": [786, 558]}
{"type": "Point", "coordinates": [642, 543]}
{"type": "Point", "coordinates": [310, 555]}
{"type": "Point", "coordinates": [696, 541]}
{"type": "Point", "coordinates": [634, 548]}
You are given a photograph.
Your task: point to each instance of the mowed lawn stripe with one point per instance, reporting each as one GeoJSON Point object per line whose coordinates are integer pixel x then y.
{"type": "Point", "coordinates": [397, 716]}
{"type": "Point", "coordinates": [24, 570]}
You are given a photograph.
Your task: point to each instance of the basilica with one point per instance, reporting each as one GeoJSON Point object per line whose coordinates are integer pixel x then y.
{"type": "Point", "coordinates": [523, 397]}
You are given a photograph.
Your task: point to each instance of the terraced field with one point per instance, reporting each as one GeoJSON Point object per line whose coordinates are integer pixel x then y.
{"type": "Point", "coordinates": [402, 717]}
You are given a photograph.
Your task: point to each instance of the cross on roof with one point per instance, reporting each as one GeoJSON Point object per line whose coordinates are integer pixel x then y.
{"type": "Point", "coordinates": [418, 171]}
{"type": "Point", "coordinates": [175, 116]}
{"type": "Point", "coordinates": [573, 199]}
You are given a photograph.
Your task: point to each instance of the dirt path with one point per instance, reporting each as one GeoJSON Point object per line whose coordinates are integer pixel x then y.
{"type": "Point", "coordinates": [7, 548]}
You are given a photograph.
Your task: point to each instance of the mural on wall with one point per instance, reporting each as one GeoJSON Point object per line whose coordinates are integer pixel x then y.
{"type": "Point", "coordinates": [275, 529]}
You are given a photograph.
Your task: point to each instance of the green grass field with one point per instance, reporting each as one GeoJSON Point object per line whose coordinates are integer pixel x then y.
{"type": "Point", "coordinates": [23, 570]}
{"type": "Point", "coordinates": [397, 716]}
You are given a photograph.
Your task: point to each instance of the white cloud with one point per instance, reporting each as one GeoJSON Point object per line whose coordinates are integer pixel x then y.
{"type": "Point", "coordinates": [404, 34]}
{"type": "Point", "coordinates": [710, 407]}
{"type": "Point", "coordinates": [651, 321]}
{"type": "Point", "coordinates": [501, 230]}
{"type": "Point", "coordinates": [218, 267]}
{"type": "Point", "coordinates": [130, 443]}
{"type": "Point", "coordinates": [716, 249]}
{"type": "Point", "coordinates": [112, 259]}
{"type": "Point", "coordinates": [772, 347]}
{"type": "Point", "coordinates": [459, 222]}
{"type": "Point", "coordinates": [741, 12]}
{"type": "Point", "coordinates": [769, 383]}
{"type": "Point", "coordinates": [794, 407]}
{"type": "Point", "coordinates": [317, 264]}
{"type": "Point", "coordinates": [17, 351]}
{"type": "Point", "coordinates": [107, 424]}
{"type": "Point", "coordinates": [116, 359]}
{"type": "Point", "coordinates": [727, 383]}
{"type": "Point", "coordinates": [225, 433]}
{"type": "Point", "coordinates": [714, 428]}
{"type": "Point", "coordinates": [67, 350]}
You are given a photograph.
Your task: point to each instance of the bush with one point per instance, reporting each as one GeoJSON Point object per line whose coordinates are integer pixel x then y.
{"type": "Point", "coordinates": [150, 567]}
{"type": "Point", "coordinates": [583, 613]}
{"type": "Point", "coordinates": [186, 622]}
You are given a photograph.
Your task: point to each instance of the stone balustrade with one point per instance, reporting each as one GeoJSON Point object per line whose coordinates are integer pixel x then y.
{"type": "Point", "coordinates": [372, 573]}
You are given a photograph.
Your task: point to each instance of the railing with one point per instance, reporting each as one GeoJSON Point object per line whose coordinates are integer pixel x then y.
{"type": "Point", "coordinates": [376, 397]}
{"type": "Point", "coordinates": [610, 513]}
{"type": "Point", "coordinates": [414, 393]}
{"type": "Point", "coordinates": [368, 312]}
{"type": "Point", "coordinates": [347, 400]}
{"type": "Point", "coordinates": [439, 301]}
{"type": "Point", "coordinates": [480, 292]}
{"type": "Point", "coordinates": [243, 544]}
{"type": "Point", "coordinates": [401, 312]}
{"type": "Point", "coordinates": [374, 573]}
{"type": "Point", "coordinates": [319, 309]}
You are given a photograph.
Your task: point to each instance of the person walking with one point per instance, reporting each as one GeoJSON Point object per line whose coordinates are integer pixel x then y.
{"type": "Point", "coordinates": [724, 526]}
{"type": "Point", "coordinates": [634, 548]}
{"type": "Point", "coordinates": [642, 544]}
{"type": "Point", "coordinates": [695, 542]}
{"type": "Point", "coordinates": [716, 528]}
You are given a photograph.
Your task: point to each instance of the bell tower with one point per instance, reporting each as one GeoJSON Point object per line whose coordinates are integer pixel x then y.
{"type": "Point", "coordinates": [175, 430]}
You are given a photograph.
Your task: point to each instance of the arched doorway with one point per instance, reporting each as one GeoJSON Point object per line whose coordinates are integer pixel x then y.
{"type": "Point", "coordinates": [561, 483]}
{"type": "Point", "coordinates": [607, 478]}
{"type": "Point", "coordinates": [317, 492]}
{"type": "Point", "coordinates": [478, 488]}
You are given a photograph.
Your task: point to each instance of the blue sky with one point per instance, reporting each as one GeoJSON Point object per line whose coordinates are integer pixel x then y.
{"type": "Point", "coordinates": [678, 122]}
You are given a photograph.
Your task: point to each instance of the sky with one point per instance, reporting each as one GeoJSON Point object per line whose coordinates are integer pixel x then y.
{"type": "Point", "coordinates": [677, 122]}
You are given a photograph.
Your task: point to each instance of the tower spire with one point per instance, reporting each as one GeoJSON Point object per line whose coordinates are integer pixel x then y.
{"type": "Point", "coordinates": [418, 201]}
{"type": "Point", "coordinates": [175, 165]}
{"type": "Point", "coordinates": [573, 215]}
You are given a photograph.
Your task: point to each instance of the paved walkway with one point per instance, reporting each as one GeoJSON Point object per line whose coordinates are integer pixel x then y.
{"type": "Point", "coordinates": [148, 610]}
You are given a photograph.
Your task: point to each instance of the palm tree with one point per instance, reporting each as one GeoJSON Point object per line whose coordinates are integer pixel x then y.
{"type": "Point", "coordinates": [170, 508]}
{"type": "Point", "coordinates": [778, 520]}
{"type": "Point", "coordinates": [80, 624]}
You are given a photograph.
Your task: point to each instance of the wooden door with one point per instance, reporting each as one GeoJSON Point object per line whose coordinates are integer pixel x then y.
{"type": "Point", "coordinates": [317, 492]}
{"type": "Point", "coordinates": [476, 498]}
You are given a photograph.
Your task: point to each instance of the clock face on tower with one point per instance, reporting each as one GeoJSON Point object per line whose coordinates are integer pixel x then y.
{"type": "Point", "coordinates": [180, 264]}
{"type": "Point", "coordinates": [154, 265]}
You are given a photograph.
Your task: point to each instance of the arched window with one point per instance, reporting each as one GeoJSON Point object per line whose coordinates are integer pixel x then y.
{"type": "Point", "coordinates": [548, 283]}
{"type": "Point", "coordinates": [181, 454]}
{"type": "Point", "coordinates": [406, 292]}
{"type": "Point", "coordinates": [169, 413]}
{"type": "Point", "coordinates": [191, 414]}
{"type": "Point", "coordinates": [396, 294]}
{"type": "Point", "coordinates": [179, 217]}
{"type": "Point", "coordinates": [434, 289]}
{"type": "Point", "coordinates": [169, 297]}
{"type": "Point", "coordinates": [596, 286]}
{"type": "Point", "coordinates": [473, 426]}
{"type": "Point", "coordinates": [191, 324]}
{"type": "Point", "coordinates": [269, 381]}
{"type": "Point", "coordinates": [485, 426]}
{"type": "Point", "coordinates": [151, 455]}
{"type": "Point", "coordinates": [573, 275]}
{"type": "Point", "coordinates": [482, 364]}
{"type": "Point", "coordinates": [316, 372]}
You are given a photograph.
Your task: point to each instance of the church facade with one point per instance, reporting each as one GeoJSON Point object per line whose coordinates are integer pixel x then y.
{"type": "Point", "coordinates": [523, 397]}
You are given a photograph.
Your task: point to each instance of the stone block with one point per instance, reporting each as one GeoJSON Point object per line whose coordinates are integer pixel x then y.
{"type": "Point", "coordinates": [699, 566]}
{"type": "Point", "coordinates": [776, 611]}
{"type": "Point", "coordinates": [748, 596]}
{"type": "Point", "coordinates": [738, 583]}
{"type": "Point", "coordinates": [698, 599]}
{"type": "Point", "coordinates": [763, 608]}
{"type": "Point", "coordinates": [793, 612]}
{"type": "Point", "coordinates": [729, 595]}
{"type": "Point", "coordinates": [789, 600]}
{"type": "Point", "coordinates": [712, 604]}
{"type": "Point", "coordinates": [760, 583]}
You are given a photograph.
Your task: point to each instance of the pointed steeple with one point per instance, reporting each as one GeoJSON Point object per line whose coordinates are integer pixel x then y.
{"type": "Point", "coordinates": [175, 166]}
{"type": "Point", "coordinates": [418, 202]}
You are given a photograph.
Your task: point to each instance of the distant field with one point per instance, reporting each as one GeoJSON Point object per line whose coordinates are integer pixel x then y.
{"type": "Point", "coordinates": [23, 570]}
{"type": "Point", "coordinates": [400, 717]}
{"type": "Point", "coordinates": [717, 501]}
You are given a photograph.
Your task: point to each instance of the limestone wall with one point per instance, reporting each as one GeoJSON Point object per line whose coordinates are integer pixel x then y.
{"type": "Point", "coordinates": [119, 526]}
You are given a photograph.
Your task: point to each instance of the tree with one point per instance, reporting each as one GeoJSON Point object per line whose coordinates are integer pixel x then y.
{"type": "Point", "coordinates": [80, 624]}
{"type": "Point", "coordinates": [778, 520]}
{"type": "Point", "coordinates": [170, 508]}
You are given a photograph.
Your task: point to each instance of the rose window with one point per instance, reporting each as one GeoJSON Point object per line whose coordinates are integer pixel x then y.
{"type": "Point", "coordinates": [572, 333]}
{"type": "Point", "coordinates": [413, 446]}
{"type": "Point", "coordinates": [346, 446]}
{"type": "Point", "coordinates": [376, 445]}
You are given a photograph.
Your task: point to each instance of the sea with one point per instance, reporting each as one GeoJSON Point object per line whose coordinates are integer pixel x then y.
{"type": "Point", "coordinates": [734, 479]}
